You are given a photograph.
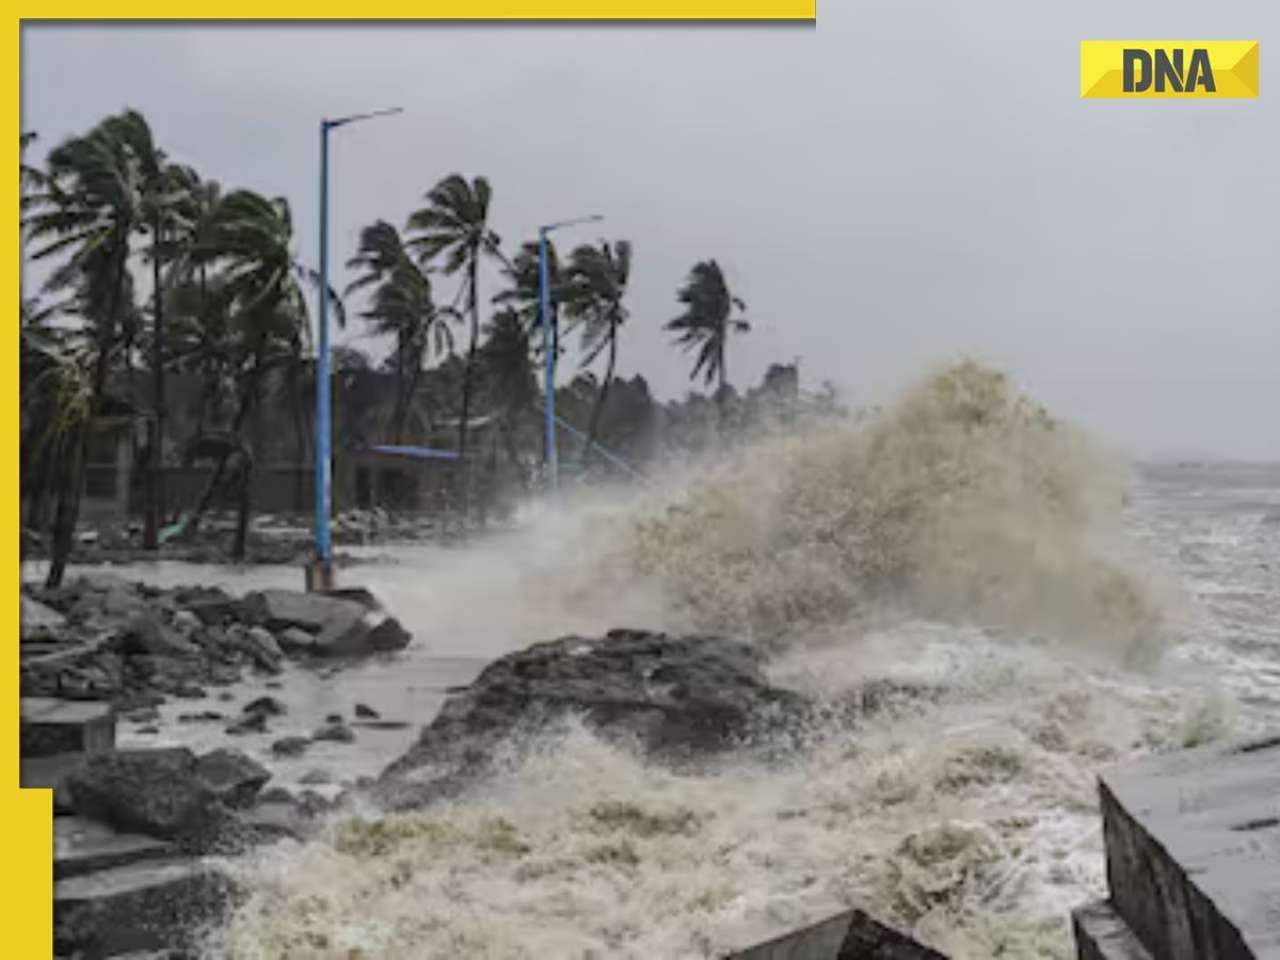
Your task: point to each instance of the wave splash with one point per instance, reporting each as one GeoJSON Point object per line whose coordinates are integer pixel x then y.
{"type": "Point", "coordinates": [965, 501]}
{"type": "Point", "coordinates": [925, 542]}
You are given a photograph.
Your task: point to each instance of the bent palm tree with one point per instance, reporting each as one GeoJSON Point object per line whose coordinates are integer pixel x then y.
{"type": "Point", "coordinates": [402, 306]}
{"type": "Point", "coordinates": [267, 313]}
{"type": "Point", "coordinates": [454, 228]}
{"type": "Point", "coordinates": [87, 204]}
{"type": "Point", "coordinates": [598, 280]}
{"type": "Point", "coordinates": [707, 321]}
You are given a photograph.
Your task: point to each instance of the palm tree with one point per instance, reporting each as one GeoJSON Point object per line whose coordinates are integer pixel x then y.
{"type": "Point", "coordinates": [598, 278]}
{"type": "Point", "coordinates": [402, 306]}
{"type": "Point", "coordinates": [88, 206]}
{"type": "Point", "coordinates": [251, 246]}
{"type": "Point", "coordinates": [508, 377]}
{"type": "Point", "coordinates": [57, 393]}
{"type": "Point", "coordinates": [454, 227]}
{"type": "Point", "coordinates": [707, 321]}
{"type": "Point", "coordinates": [167, 206]}
{"type": "Point", "coordinates": [524, 294]}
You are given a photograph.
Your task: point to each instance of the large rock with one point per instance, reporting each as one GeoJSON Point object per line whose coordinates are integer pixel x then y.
{"type": "Point", "coordinates": [38, 621]}
{"type": "Point", "coordinates": [146, 635]}
{"type": "Point", "coordinates": [313, 612]}
{"type": "Point", "coordinates": [674, 697]}
{"type": "Point", "coordinates": [155, 792]}
{"type": "Point", "coordinates": [347, 625]}
{"type": "Point", "coordinates": [234, 777]}
{"type": "Point", "coordinates": [211, 605]}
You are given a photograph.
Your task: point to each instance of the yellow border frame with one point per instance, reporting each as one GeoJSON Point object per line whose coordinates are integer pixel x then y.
{"type": "Point", "coordinates": [26, 816]}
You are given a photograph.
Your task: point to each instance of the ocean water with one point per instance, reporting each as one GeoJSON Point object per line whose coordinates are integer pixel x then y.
{"type": "Point", "coordinates": [1075, 610]}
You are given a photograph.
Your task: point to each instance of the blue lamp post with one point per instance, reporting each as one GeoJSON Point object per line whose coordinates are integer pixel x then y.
{"type": "Point", "coordinates": [549, 343]}
{"type": "Point", "coordinates": [320, 575]}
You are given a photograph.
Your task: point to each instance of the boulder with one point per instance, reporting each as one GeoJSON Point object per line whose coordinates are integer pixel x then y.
{"type": "Point", "coordinates": [280, 609]}
{"type": "Point", "coordinates": [159, 793]}
{"type": "Point", "coordinates": [295, 641]}
{"type": "Point", "coordinates": [37, 621]}
{"type": "Point", "coordinates": [365, 712]}
{"type": "Point", "coordinates": [146, 635]}
{"type": "Point", "coordinates": [249, 723]}
{"type": "Point", "coordinates": [674, 697]}
{"type": "Point", "coordinates": [203, 716]}
{"type": "Point", "coordinates": [257, 644]}
{"type": "Point", "coordinates": [211, 606]}
{"type": "Point", "coordinates": [290, 746]}
{"type": "Point", "coordinates": [270, 706]}
{"type": "Point", "coordinates": [339, 627]}
{"type": "Point", "coordinates": [335, 732]}
{"type": "Point", "coordinates": [234, 777]}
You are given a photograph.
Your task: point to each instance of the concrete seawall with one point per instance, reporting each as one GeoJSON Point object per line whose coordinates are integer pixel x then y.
{"type": "Point", "coordinates": [1193, 858]}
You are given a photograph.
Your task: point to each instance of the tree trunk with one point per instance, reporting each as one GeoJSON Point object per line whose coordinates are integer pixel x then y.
{"type": "Point", "coordinates": [37, 487]}
{"type": "Point", "coordinates": [397, 414]}
{"type": "Point", "coordinates": [69, 468]}
{"type": "Point", "coordinates": [410, 391]}
{"type": "Point", "coordinates": [240, 545]}
{"type": "Point", "coordinates": [465, 472]}
{"type": "Point", "coordinates": [155, 491]}
{"type": "Point", "coordinates": [720, 396]}
{"type": "Point", "coordinates": [300, 447]}
{"type": "Point", "coordinates": [75, 460]}
{"type": "Point", "coordinates": [602, 396]}
{"type": "Point", "coordinates": [246, 404]}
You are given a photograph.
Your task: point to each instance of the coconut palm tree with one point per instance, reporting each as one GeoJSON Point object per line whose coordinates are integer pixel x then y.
{"type": "Point", "coordinates": [523, 295]}
{"type": "Point", "coordinates": [707, 320]}
{"type": "Point", "coordinates": [88, 207]}
{"type": "Point", "coordinates": [598, 281]}
{"type": "Point", "coordinates": [98, 190]}
{"type": "Point", "coordinates": [268, 326]}
{"type": "Point", "coordinates": [508, 377]}
{"type": "Point", "coordinates": [57, 395]}
{"type": "Point", "coordinates": [401, 306]}
{"type": "Point", "coordinates": [453, 228]}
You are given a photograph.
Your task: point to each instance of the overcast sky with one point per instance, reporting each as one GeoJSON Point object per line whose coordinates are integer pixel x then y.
{"type": "Point", "coordinates": [908, 181]}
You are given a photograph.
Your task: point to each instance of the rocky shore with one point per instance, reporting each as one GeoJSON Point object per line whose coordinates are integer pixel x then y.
{"type": "Point", "coordinates": [134, 827]}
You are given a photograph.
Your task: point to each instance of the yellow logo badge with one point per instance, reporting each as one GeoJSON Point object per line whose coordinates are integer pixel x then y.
{"type": "Point", "coordinates": [1121, 69]}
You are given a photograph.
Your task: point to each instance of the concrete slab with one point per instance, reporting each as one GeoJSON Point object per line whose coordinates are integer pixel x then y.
{"type": "Point", "coordinates": [139, 907]}
{"type": "Point", "coordinates": [1102, 935]}
{"type": "Point", "coordinates": [852, 935]}
{"type": "Point", "coordinates": [1193, 851]}
{"type": "Point", "coordinates": [83, 846]}
{"type": "Point", "coordinates": [51, 726]}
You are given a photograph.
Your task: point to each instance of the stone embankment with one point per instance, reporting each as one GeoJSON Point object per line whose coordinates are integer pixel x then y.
{"type": "Point", "coordinates": [132, 827]}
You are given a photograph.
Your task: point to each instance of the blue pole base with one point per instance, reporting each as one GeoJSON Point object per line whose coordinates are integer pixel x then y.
{"type": "Point", "coordinates": [319, 576]}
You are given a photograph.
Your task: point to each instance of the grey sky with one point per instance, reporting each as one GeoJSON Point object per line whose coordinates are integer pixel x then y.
{"type": "Point", "coordinates": [905, 182]}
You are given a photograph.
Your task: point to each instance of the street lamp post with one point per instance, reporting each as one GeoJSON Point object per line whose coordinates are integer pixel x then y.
{"type": "Point", "coordinates": [550, 344]}
{"type": "Point", "coordinates": [320, 574]}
